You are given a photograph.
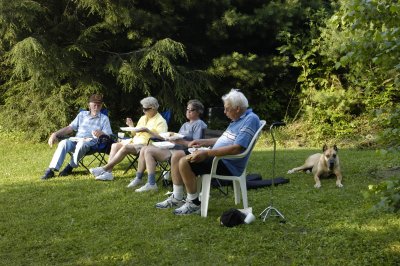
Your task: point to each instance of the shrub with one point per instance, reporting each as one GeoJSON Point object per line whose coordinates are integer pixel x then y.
{"type": "Point", "coordinates": [388, 192]}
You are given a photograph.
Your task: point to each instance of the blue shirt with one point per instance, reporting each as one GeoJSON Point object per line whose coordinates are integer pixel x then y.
{"type": "Point", "coordinates": [239, 132]}
{"type": "Point", "coordinates": [84, 124]}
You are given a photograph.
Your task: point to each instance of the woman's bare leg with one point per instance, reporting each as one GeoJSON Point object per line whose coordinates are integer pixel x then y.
{"type": "Point", "coordinates": [154, 154]}
{"type": "Point", "coordinates": [119, 156]}
{"type": "Point", "coordinates": [142, 161]}
{"type": "Point", "coordinates": [114, 149]}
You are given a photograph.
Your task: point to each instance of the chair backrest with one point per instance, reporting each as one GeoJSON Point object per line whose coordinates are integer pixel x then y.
{"type": "Point", "coordinates": [211, 133]}
{"type": "Point", "coordinates": [255, 137]}
{"type": "Point", "coordinates": [240, 155]}
{"type": "Point", "coordinates": [104, 111]}
{"type": "Point", "coordinates": [252, 143]}
{"type": "Point", "coordinates": [167, 114]}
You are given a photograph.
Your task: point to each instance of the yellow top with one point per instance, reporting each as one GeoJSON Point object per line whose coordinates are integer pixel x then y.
{"type": "Point", "coordinates": [157, 124]}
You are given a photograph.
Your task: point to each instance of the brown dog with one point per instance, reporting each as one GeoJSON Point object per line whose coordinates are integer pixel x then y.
{"type": "Point", "coordinates": [322, 165]}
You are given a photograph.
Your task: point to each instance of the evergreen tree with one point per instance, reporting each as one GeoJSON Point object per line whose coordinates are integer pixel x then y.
{"type": "Point", "coordinates": [56, 53]}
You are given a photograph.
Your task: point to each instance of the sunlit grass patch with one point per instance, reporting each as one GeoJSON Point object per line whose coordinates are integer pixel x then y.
{"type": "Point", "coordinates": [77, 220]}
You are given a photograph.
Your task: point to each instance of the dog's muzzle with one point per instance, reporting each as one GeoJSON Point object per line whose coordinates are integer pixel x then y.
{"type": "Point", "coordinates": [331, 164]}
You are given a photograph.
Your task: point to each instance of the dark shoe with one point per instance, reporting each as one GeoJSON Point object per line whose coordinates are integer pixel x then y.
{"type": "Point", "coordinates": [48, 174]}
{"type": "Point", "coordinates": [67, 170]}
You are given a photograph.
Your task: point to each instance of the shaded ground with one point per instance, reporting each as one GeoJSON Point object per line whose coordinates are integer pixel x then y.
{"type": "Point", "coordinates": [389, 172]}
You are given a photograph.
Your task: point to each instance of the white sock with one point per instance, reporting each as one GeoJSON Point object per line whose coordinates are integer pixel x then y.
{"type": "Point", "coordinates": [192, 196]}
{"type": "Point", "coordinates": [178, 192]}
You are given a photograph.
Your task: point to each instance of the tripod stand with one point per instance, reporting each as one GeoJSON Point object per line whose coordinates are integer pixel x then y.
{"type": "Point", "coordinates": [270, 210]}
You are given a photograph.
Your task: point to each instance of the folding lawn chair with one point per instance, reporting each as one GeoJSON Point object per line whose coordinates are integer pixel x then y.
{"type": "Point", "coordinates": [99, 151]}
{"type": "Point", "coordinates": [134, 157]}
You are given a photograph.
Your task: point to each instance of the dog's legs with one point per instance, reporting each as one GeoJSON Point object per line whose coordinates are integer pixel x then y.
{"type": "Point", "coordinates": [308, 164]}
{"type": "Point", "coordinates": [338, 178]}
{"type": "Point", "coordinates": [317, 181]}
{"type": "Point", "coordinates": [297, 169]}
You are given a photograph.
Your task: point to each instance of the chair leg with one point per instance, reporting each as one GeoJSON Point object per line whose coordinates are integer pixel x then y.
{"type": "Point", "coordinates": [132, 161]}
{"type": "Point", "coordinates": [199, 180]}
{"type": "Point", "coordinates": [205, 194]}
{"type": "Point", "coordinates": [220, 187]}
{"type": "Point", "coordinates": [243, 188]}
{"type": "Point", "coordinates": [236, 191]}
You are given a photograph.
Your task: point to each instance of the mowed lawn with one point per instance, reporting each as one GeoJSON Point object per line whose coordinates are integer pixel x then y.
{"type": "Point", "coordinates": [76, 220]}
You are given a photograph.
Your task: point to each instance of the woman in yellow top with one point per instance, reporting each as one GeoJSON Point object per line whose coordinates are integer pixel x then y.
{"type": "Point", "coordinates": [151, 124]}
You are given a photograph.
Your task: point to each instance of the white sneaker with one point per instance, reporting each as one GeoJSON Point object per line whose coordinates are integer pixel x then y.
{"type": "Point", "coordinates": [188, 208]}
{"type": "Point", "coordinates": [96, 171]}
{"type": "Point", "coordinates": [171, 202]}
{"type": "Point", "coordinates": [135, 182]}
{"type": "Point", "coordinates": [147, 187]}
{"type": "Point", "coordinates": [106, 176]}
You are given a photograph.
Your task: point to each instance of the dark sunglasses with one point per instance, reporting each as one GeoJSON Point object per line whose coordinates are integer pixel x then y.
{"type": "Point", "coordinates": [146, 109]}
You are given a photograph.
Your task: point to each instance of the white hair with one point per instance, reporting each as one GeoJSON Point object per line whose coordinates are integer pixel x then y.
{"type": "Point", "coordinates": [150, 102]}
{"type": "Point", "coordinates": [236, 99]}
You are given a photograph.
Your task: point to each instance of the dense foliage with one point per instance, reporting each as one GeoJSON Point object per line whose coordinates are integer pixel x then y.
{"type": "Point", "coordinates": [53, 54]}
{"type": "Point", "coordinates": [387, 193]}
{"type": "Point", "coordinates": [349, 69]}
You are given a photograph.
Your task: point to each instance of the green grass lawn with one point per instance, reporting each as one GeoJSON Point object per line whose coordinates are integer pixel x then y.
{"type": "Point", "coordinates": [78, 221]}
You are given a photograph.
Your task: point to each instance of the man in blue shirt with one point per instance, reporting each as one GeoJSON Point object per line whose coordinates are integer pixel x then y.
{"type": "Point", "coordinates": [89, 125]}
{"type": "Point", "coordinates": [234, 140]}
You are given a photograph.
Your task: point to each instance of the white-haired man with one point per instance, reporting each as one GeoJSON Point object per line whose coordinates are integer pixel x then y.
{"type": "Point", "coordinates": [89, 125]}
{"type": "Point", "coordinates": [234, 140]}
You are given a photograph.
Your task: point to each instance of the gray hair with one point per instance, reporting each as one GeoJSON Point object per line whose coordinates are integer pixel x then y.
{"type": "Point", "coordinates": [197, 105]}
{"type": "Point", "coordinates": [236, 99]}
{"type": "Point", "coordinates": [150, 102]}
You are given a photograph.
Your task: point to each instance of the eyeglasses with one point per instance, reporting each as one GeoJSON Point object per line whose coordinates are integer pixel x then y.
{"type": "Point", "coordinates": [227, 109]}
{"type": "Point", "coordinates": [146, 109]}
{"type": "Point", "coordinates": [190, 110]}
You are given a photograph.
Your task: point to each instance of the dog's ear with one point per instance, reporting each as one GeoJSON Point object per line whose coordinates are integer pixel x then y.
{"type": "Point", "coordinates": [324, 148]}
{"type": "Point", "coordinates": [335, 147]}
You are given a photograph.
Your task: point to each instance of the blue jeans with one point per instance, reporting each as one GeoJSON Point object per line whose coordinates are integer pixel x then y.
{"type": "Point", "coordinates": [79, 150]}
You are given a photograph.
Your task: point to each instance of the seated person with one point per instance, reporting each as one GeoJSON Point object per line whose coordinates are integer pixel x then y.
{"type": "Point", "coordinates": [149, 125]}
{"type": "Point", "coordinates": [234, 140]}
{"type": "Point", "coordinates": [149, 155]}
{"type": "Point", "coordinates": [88, 125]}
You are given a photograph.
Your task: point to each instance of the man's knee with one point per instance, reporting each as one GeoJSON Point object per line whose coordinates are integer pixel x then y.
{"type": "Point", "coordinates": [177, 156]}
{"type": "Point", "coordinates": [183, 162]}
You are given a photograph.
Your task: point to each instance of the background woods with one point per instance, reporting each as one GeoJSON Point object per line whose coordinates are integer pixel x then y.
{"type": "Point", "coordinates": [326, 66]}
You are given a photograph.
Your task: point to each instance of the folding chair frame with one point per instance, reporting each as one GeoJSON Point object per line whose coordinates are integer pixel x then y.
{"type": "Point", "coordinates": [133, 158]}
{"type": "Point", "coordinates": [97, 155]}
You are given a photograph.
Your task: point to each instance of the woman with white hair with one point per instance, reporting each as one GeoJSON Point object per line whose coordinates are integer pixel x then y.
{"type": "Point", "coordinates": [150, 155]}
{"type": "Point", "coordinates": [151, 124]}
{"type": "Point", "coordinates": [234, 140]}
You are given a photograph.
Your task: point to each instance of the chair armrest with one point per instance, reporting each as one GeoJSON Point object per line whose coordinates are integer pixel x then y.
{"type": "Point", "coordinates": [63, 137]}
{"type": "Point", "coordinates": [114, 137]}
{"type": "Point", "coordinates": [154, 140]}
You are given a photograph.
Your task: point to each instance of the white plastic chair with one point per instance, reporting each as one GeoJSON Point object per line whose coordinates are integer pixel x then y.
{"type": "Point", "coordinates": [239, 182]}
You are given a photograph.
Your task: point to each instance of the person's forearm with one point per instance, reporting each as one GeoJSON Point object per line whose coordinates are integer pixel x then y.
{"type": "Point", "coordinates": [208, 142]}
{"type": "Point", "coordinates": [63, 131]}
{"type": "Point", "coordinates": [227, 150]}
